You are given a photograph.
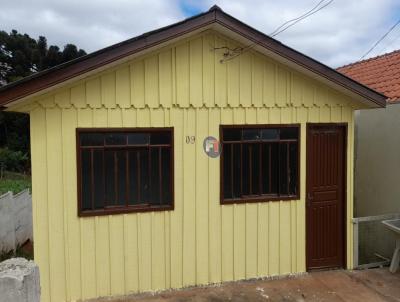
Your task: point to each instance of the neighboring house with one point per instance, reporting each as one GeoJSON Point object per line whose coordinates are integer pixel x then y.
{"type": "Point", "coordinates": [125, 197]}
{"type": "Point", "coordinates": [377, 155]}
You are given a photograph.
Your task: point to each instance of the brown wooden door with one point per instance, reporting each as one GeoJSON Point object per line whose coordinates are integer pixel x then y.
{"type": "Point", "coordinates": [325, 196]}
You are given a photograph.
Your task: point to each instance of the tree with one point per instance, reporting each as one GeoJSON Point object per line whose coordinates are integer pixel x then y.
{"type": "Point", "coordinates": [21, 56]}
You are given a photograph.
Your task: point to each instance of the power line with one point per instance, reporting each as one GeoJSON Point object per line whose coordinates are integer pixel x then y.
{"type": "Point", "coordinates": [292, 22]}
{"type": "Point", "coordinates": [230, 54]}
{"type": "Point", "coordinates": [279, 27]}
{"type": "Point", "coordinates": [379, 40]}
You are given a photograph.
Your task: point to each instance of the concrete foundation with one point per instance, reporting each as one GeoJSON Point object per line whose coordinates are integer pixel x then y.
{"type": "Point", "coordinates": [19, 281]}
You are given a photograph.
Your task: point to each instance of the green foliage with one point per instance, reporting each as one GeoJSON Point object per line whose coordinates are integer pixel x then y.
{"type": "Point", "coordinates": [21, 56]}
{"type": "Point", "coordinates": [14, 182]}
{"type": "Point", "coordinates": [16, 161]}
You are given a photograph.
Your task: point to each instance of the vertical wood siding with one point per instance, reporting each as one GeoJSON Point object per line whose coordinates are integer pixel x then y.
{"type": "Point", "coordinates": [200, 242]}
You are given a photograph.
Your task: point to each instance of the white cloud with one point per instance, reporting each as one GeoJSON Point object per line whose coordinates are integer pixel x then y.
{"type": "Point", "coordinates": [336, 35]}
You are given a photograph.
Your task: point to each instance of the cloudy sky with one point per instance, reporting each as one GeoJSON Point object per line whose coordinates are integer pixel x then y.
{"type": "Point", "coordinates": [340, 33]}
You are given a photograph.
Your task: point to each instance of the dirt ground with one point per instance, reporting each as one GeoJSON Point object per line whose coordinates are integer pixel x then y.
{"type": "Point", "coordinates": [363, 286]}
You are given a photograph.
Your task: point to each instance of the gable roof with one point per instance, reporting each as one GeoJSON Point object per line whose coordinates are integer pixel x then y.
{"type": "Point", "coordinates": [381, 73]}
{"type": "Point", "coordinates": [215, 16]}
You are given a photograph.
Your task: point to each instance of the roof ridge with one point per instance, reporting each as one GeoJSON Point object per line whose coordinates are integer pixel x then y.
{"type": "Point", "coordinates": [387, 54]}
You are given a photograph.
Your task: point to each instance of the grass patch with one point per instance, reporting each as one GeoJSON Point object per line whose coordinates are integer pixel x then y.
{"type": "Point", "coordinates": [14, 182]}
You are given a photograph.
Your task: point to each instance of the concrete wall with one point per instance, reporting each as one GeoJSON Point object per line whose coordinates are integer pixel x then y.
{"type": "Point", "coordinates": [15, 220]}
{"type": "Point", "coordinates": [19, 281]}
{"type": "Point", "coordinates": [377, 162]}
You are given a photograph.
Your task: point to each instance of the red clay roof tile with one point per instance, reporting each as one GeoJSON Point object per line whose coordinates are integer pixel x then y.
{"type": "Point", "coordinates": [381, 73]}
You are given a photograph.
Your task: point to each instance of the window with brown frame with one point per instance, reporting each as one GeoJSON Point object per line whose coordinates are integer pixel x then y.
{"type": "Point", "coordinates": [124, 170]}
{"type": "Point", "coordinates": [259, 163]}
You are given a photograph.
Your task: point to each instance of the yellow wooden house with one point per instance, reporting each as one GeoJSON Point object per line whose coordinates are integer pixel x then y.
{"type": "Point", "coordinates": [197, 153]}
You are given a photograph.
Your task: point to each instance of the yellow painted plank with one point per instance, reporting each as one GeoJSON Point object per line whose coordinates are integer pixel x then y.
{"type": "Point", "coordinates": [262, 239]}
{"type": "Point", "coordinates": [87, 232]}
{"type": "Point", "coordinates": [245, 79]}
{"type": "Point", "coordinates": [269, 87]}
{"type": "Point", "coordinates": [201, 198]}
{"type": "Point", "coordinates": [167, 255]}
{"type": "Point", "coordinates": [285, 245]}
{"type": "Point", "coordinates": [233, 81]}
{"type": "Point", "coordinates": [93, 92]}
{"type": "Point", "coordinates": [177, 214]}
{"type": "Point", "coordinates": [145, 250]}
{"type": "Point", "coordinates": [108, 89]}
{"type": "Point", "coordinates": [56, 205]}
{"type": "Point", "coordinates": [257, 80]}
{"type": "Point", "coordinates": [214, 207]}
{"type": "Point", "coordinates": [131, 253]}
{"type": "Point", "coordinates": [308, 91]}
{"type": "Point", "coordinates": [102, 256]}
{"type": "Point", "coordinates": [69, 122]}
{"type": "Point", "coordinates": [62, 98]}
{"type": "Point", "coordinates": [157, 117]}
{"type": "Point", "coordinates": [336, 114]}
{"type": "Point", "coordinates": [313, 114]}
{"type": "Point", "coordinates": [137, 84]}
{"type": "Point", "coordinates": [208, 69]}
{"type": "Point", "coordinates": [151, 82]}
{"type": "Point", "coordinates": [282, 84]}
{"type": "Point", "coordinates": [227, 221]}
{"type": "Point", "coordinates": [39, 198]}
{"type": "Point", "coordinates": [196, 72]}
{"type": "Point", "coordinates": [182, 75]}
{"type": "Point", "coordinates": [165, 75]}
{"type": "Point", "coordinates": [275, 115]}
{"type": "Point", "coordinates": [296, 90]}
{"type": "Point", "coordinates": [220, 73]}
{"type": "Point", "coordinates": [78, 95]}
{"type": "Point", "coordinates": [122, 87]}
{"type": "Point", "coordinates": [251, 240]}
{"type": "Point", "coordinates": [325, 114]}
{"type": "Point", "coordinates": [157, 251]}
{"type": "Point", "coordinates": [274, 239]}
{"type": "Point", "coordinates": [189, 206]}
{"type": "Point", "coordinates": [117, 271]}
{"type": "Point", "coordinates": [239, 240]}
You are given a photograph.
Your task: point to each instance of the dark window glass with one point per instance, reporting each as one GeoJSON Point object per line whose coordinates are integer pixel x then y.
{"type": "Point", "coordinates": [125, 171]}
{"type": "Point", "coordinates": [121, 177]}
{"type": "Point", "coordinates": [133, 179]}
{"type": "Point", "coordinates": [262, 163]}
{"type": "Point", "coordinates": [144, 176]}
{"type": "Point", "coordinates": [289, 133]}
{"type": "Point", "coordinates": [293, 168]}
{"type": "Point", "coordinates": [109, 162]}
{"type": "Point", "coordinates": [227, 155]}
{"type": "Point", "coordinates": [232, 134]}
{"type": "Point", "coordinates": [269, 134]}
{"type": "Point", "coordinates": [166, 196]}
{"type": "Point", "coordinates": [92, 139]}
{"type": "Point", "coordinates": [138, 139]}
{"type": "Point", "coordinates": [155, 175]}
{"type": "Point", "coordinates": [283, 169]}
{"type": "Point", "coordinates": [86, 180]}
{"type": "Point", "coordinates": [255, 169]}
{"type": "Point", "coordinates": [98, 178]}
{"type": "Point", "coordinates": [251, 134]}
{"type": "Point", "coordinates": [236, 171]}
{"type": "Point", "coordinates": [115, 139]}
{"type": "Point", "coordinates": [159, 138]}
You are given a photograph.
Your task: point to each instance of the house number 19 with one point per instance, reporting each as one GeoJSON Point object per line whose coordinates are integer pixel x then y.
{"type": "Point", "coordinates": [190, 139]}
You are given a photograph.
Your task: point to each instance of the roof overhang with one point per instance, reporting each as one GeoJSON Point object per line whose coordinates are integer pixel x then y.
{"type": "Point", "coordinates": [216, 19]}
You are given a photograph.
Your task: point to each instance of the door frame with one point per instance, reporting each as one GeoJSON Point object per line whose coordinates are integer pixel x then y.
{"type": "Point", "coordinates": [345, 127]}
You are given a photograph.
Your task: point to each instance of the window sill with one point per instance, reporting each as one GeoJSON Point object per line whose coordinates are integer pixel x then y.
{"type": "Point", "coordinates": [124, 210]}
{"type": "Point", "coordinates": [257, 199]}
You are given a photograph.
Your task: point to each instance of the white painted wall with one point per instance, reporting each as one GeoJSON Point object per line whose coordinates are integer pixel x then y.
{"type": "Point", "coordinates": [15, 220]}
{"type": "Point", "coordinates": [377, 161]}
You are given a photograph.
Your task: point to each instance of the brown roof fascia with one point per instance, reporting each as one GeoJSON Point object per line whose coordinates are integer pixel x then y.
{"type": "Point", "coordinates": [74, 68]}
{"type": "Point", "coordinates": [58, 74]}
